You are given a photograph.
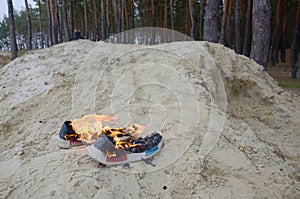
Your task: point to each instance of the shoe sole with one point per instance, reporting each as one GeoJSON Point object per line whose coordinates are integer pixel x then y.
{"type": "Point", "coordinates": [67, 144]}
{"type": "Point", "coordinates": [125, 157]}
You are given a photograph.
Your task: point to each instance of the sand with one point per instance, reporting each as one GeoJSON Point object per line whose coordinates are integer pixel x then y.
{"type": "Point", "coordinates": [229, 130]}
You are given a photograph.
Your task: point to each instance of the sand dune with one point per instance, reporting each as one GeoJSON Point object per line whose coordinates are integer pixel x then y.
{"type": "Point", "coordinates": [229, 130]}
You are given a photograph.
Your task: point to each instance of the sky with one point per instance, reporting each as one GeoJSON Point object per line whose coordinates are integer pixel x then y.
{"type": "Point", "coordinates": [18, 4]}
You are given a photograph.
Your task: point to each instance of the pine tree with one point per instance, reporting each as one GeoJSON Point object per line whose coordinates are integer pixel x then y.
{"type": "Point", "coordinates": [211, 21]}
{"type": "Point", "coordinates": [65, 20]}
{"type": "Point", "coordinates": [237, 27]}
{"type": "Point", "coordinates": [41, 24]}
{"type": "Point", "coordinates": [247, 34]}
{"type": "Point", "coordinates": [261, 31]}
{"type": "Point", "coordinates": [295, 44]}
{"type": "Point", "coordinates": [12, 33]}
{"type": "Point", "coordinates": [276, 33]}
{"type": "Point", "coordinates": [29, 30]}
{"type": "Point", "coordinates": [193, 17]}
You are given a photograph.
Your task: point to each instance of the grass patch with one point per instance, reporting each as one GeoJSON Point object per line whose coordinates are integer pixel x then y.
{"type": "Point", "coordinates": [21, 52]}
{"type": "Point", "coordinates": [288, 84]}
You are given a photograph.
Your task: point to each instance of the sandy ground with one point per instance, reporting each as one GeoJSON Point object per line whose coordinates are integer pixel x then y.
{"type": "Point", "coordinates": [231, 137]}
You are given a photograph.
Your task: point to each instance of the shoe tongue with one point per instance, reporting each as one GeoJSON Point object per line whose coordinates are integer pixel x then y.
{"type": "Point", "coordinates": [65, 129]}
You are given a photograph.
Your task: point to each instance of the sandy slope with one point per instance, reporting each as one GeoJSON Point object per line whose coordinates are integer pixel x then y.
{"type": "Point", "coordinates": [173, 87]}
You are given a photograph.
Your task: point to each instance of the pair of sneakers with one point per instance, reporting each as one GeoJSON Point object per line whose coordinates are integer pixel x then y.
{"type": "Point", "coordinates": [97, 151]}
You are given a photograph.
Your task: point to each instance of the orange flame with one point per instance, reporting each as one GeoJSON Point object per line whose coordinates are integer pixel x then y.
{"type": "Point", "coordinates": [120, 135]}
{"type": "Point", "coordinates": [89, 128]}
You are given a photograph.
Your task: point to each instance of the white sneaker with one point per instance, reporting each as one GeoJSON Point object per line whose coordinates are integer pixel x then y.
{"type": "Point", "coordinates": [97, 152]}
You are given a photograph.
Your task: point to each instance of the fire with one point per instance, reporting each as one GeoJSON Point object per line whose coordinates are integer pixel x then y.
{"type": "Point", "coordinates": [116, 144]}
{"type": "Point", "coordinates": [120, 136]}
{"type": "Point", "coordinates": [90, 127]}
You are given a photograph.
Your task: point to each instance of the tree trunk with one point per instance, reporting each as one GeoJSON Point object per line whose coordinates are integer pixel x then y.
{"type": "Point", "coordinates": [81, 20]}
{"type": "Point", "coordinates": [12, 33]}
{"type": "Point", "coordinates": [201, 20]}
{"type": "Point", "coordinates": [284, 30]}
{"type": "Point", "coordinates": [193, 17]}
{"type": "Point", "coordinates": [132, 12]}
{"type": "Point", "coordinates": [247, 41]}
{"type": "Point", "coordinates": [58, 22]}
{"type": "Point", "coordinates": [295, 44]}
{"type": "Point", "coordinates": [152, 13]}
{"type": "Point", "coordinates": [71, 17]}
{"type": "Point", "coordinates": [211, 20]}
{"type": "Point", "coordinates": [276, 34]}
{"type": "Point", "coordinates": [142, 15]}
{"type": "Point", "coordinates": [161, 19]}
{"type": "Point", "coordinates": [172, 14]}
{"type": "Point", "coordinates": [224, 22]}
{"type": "Point", "coordinates": [116, 5]}
{"type": "Point", "coordinates": [65, 20]}
{"type": "Point", "coordinates": [114, 2]}
{"type": "Point", "coordinates": [119, 22]}
{"type": "Point", "coordinates": [41, 24]}
{"type": "Point", "coordinates": [107, 19]}
{"type": "Point", "coordinates": [166, 14]}
{"type": "Point", "coordinates": [103, 21]}
{"type": "Point", "coordinates": [49, 41]}
{"type": "Point", "coordinates": [53, 22]}
{"type": "Point", "coordinates": [76, 23]}
{"type": "Point", "coordinates": [261, 31]}
{"type": "Point", "coordinates": [187, 18]}
{"type": "Point", "coordinates": [119, 15]}
{"type": "Point", "coordinates": [35, 42]}
{"type": "Point", "coordinates": [228, 33]}
{"type": "Point", "coordinates": [242, 23]}
{"type": "Point", "coordinates": [95, 21]}
{"type": "Point", "coordinates": [237, 27]}
{"type": "Point", "coordinates": [126, 16]}
{"type": "Point", "coordinates": [149, 11]}
{"type": "Point", "coordinates": [86, 25]}
{"type": "Point", "coordinates": [153, 36]}
{"type": "Point", "coordinates": [29, 30]}
{"type": "Point", "coordinates": [124, 20]}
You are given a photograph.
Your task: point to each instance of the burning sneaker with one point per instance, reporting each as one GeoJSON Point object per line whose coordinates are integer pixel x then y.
{"type": "Point", "coordinates": [85, 130]}
{"type": "Point", "coordinates": [109, 149]}
{"type": "Point", "coordinates": [67, 138]}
